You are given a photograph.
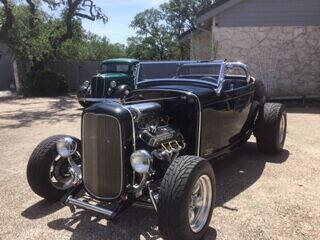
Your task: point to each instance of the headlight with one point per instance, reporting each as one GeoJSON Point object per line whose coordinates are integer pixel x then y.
{"type": "Point", "coordinates": [66, 147]}
{"type": "Point", "coordinates": [113, 84]}
{"type": "Point", "coordinates": [141, 161]}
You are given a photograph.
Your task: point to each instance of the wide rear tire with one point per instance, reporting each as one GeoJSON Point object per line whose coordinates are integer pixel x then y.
{"type": "Point", "coordinates": [181, 213]}
{"type": "Point", "coordinates": [39, 170]}
{"type": "Point", "coordinates": [271, 128]}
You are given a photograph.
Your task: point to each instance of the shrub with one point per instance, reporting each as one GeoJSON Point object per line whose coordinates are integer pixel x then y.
{"type": "Point", "coordinates": [45, 83]}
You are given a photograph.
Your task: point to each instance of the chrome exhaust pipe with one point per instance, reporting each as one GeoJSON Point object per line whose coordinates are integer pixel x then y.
{"type": "Point", "coordinates": [84, 205]}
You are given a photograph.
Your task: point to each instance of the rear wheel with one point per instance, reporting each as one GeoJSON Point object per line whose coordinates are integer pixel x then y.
{"type": "Point", "coordinates": [47, 172]}
{"type": "Point", "coordinates": [186, 198]}
{"type": "Point", "coordinates": [271, 128]}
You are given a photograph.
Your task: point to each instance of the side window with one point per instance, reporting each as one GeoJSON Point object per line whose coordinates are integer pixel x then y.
{"type": "Point", "coordinates": [235, 78]}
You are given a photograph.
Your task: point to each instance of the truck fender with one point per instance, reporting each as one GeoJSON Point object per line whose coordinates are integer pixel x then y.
{"type": "Point", "coordinates": [122, 91]}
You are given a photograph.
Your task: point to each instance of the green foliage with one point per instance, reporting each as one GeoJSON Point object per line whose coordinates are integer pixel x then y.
{"type": "Point", "coordinates": [44, 84]}
{"type": "Point", "coordinates": [153, 40]}
{"type": "Point", "coordinates": [158, 30]}
{"type": "Point", "coordinates": [31, 44]}
{"type": "Point", "coordinates": [91, 47]}
{"type": "Point", "coordinates": [180, 15]}
{"type": "Point", "coordinates": [39, 43]}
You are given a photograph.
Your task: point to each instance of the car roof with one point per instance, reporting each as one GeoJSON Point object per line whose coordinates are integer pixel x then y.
{"type": "Point", "coordinates": [121, 60]}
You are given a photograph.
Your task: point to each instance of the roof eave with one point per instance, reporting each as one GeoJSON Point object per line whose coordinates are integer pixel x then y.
{"type": "Point", "coordinates": [215, 10]}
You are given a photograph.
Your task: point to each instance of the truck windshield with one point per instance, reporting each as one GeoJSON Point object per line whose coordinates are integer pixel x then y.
{"type": "Point", "coordinates": [115, 67]}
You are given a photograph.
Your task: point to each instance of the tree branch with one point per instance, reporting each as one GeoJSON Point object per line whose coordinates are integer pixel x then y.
{"type": "Point", "coordinates": [95, 13]}
{"type": "Point", "coordinates": [72, 8]}
{"type": "Point", "coordinates": [82, 15]}
{"type": "Point", "coordinates": [32, 9]}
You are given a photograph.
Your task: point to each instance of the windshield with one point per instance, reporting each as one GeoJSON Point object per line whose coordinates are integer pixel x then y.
{"type": "Point", "coordinates": [115, 67]}
{"type": "Point", "coordinates": [200, 70]}
{"type": "Point", "coordinates": [205, 72]}
{"type": "Point", "coordinates": [149, 71]}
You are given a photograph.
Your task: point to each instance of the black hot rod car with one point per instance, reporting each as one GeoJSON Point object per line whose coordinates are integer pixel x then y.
{"type": "Point", "coordinates": [152, 147]}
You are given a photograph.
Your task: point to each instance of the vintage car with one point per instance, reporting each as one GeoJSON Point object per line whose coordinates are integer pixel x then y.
{"type": "Point", "coordinates": [152, 148]}
{"type": "Point", "coordinates": [115, 79]}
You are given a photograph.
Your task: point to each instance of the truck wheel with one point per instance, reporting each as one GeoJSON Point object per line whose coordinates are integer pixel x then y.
{"type": "Point", "coordinates": [271, 128]}
{"type": "Point", "coordinates": [84, 104]}
{"type": "Point", "coordinates": [186, 199]}
{"type": "Point", "coordinates": [47, 171]}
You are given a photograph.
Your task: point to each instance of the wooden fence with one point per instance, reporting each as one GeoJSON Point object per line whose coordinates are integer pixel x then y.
{"type": "Point", "coordinates": [76, 72]}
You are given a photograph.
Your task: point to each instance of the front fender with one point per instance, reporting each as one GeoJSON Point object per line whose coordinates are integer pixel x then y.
{"type": "Point", "coordinates": [121, 91]}
{"type": "Point", "coordinates": [83, 92]}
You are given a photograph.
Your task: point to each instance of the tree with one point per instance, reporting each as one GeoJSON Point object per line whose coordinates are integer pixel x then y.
{"type": "Point", "coordinates": [158, 30]}
{"type": "Point", "coordinates": [180, 15]}
{"type": "Point", "coordinates": [6, 21]}
{"type": "Point", "coordinates": [33, 35]}
{"type": "Point", "coordinates": [75, 9]}
{"type": "Point", "coordinates": [152, 34]}
{"type": "Point", "coordinates": [91, 47]}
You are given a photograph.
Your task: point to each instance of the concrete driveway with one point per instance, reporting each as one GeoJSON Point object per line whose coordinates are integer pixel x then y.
{"type": "Point", "coordinates": [259, 196]}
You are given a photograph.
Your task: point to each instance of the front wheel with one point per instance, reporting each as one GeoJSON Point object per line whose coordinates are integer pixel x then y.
{"type": "Point", "coordinates": [186, 199]}
{"type": "Point", "coordinates": [47, 172]}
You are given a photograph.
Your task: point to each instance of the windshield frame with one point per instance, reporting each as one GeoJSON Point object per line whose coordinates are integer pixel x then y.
{"type": "Point", "coordinates": [224, 65]}
{"type": "Point", "coordinates": [220, 75]}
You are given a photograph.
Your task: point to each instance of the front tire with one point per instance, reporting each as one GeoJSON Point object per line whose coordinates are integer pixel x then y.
{"type": "Point", "coordinates": [47, 172]}
{"type": "Point", "coordinates": [271, 128]}
{"type": "Point", "coordinates": [186, 199]}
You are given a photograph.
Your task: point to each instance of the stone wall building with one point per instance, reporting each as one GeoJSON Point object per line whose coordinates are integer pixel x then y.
{"type": "Point", "coordinates": [279, 39]}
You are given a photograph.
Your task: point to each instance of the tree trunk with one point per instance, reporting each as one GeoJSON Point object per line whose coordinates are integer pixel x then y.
{"type": "Point", "coordinates": [16, 75]}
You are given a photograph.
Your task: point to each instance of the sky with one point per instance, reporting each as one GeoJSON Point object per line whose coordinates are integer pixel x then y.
{"type": "Point", "coordinates": [120, 14]}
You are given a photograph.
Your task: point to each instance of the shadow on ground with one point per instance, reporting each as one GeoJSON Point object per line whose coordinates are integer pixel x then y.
{"type": "Point", "coordinates": [55, 112]}
{"type": "Point", "coordinates": [305, 110]}
{"type": "Point", "coordinates": [241, 169]}
{"type": "Point", "coordinates": [41, 209]}
{"type": "Point", "coordinates": [234, 174]}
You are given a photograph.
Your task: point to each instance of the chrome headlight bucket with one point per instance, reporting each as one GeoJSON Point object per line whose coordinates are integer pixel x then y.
{"type": "Point", "coordinates": [141, 161]}
{"type": "Point", "coordinates": [113, 84]}
{"type": "Point", "coordinates": [66, 146]}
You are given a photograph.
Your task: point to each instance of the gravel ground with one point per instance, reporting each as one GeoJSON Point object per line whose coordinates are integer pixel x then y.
{"type": "Point", "coordinates": [259, 196]}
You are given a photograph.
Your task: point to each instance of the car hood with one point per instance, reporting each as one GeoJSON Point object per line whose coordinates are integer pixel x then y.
{"type": "Point", "coordinates": [111, 76]}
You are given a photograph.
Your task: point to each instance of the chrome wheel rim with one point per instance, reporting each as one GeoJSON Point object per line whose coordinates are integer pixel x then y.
{"type": "Point", "coordinates": [200, 203]}
{"type": "Point", "coordinates": [282, 128]}
{"type": "Point", "coordinates": [59, 174]}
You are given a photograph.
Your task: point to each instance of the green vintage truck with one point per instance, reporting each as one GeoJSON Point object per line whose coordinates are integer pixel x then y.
{"type": "Point", "coordinates": [115, 79]}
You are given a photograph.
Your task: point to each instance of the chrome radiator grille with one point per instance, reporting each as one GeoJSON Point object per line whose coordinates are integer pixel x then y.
{"type": "Point", "coordinates": [102, 155]}
{"type": "Point", "coordinates": [98, 87]}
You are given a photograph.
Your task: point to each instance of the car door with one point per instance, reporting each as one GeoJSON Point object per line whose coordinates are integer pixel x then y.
{"type": "Point", "coordinates": [217, 122]}
{"type": "Point", "coordinates": [224, 115]}
{"type": "Point", "coordinates": [239, 97]}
